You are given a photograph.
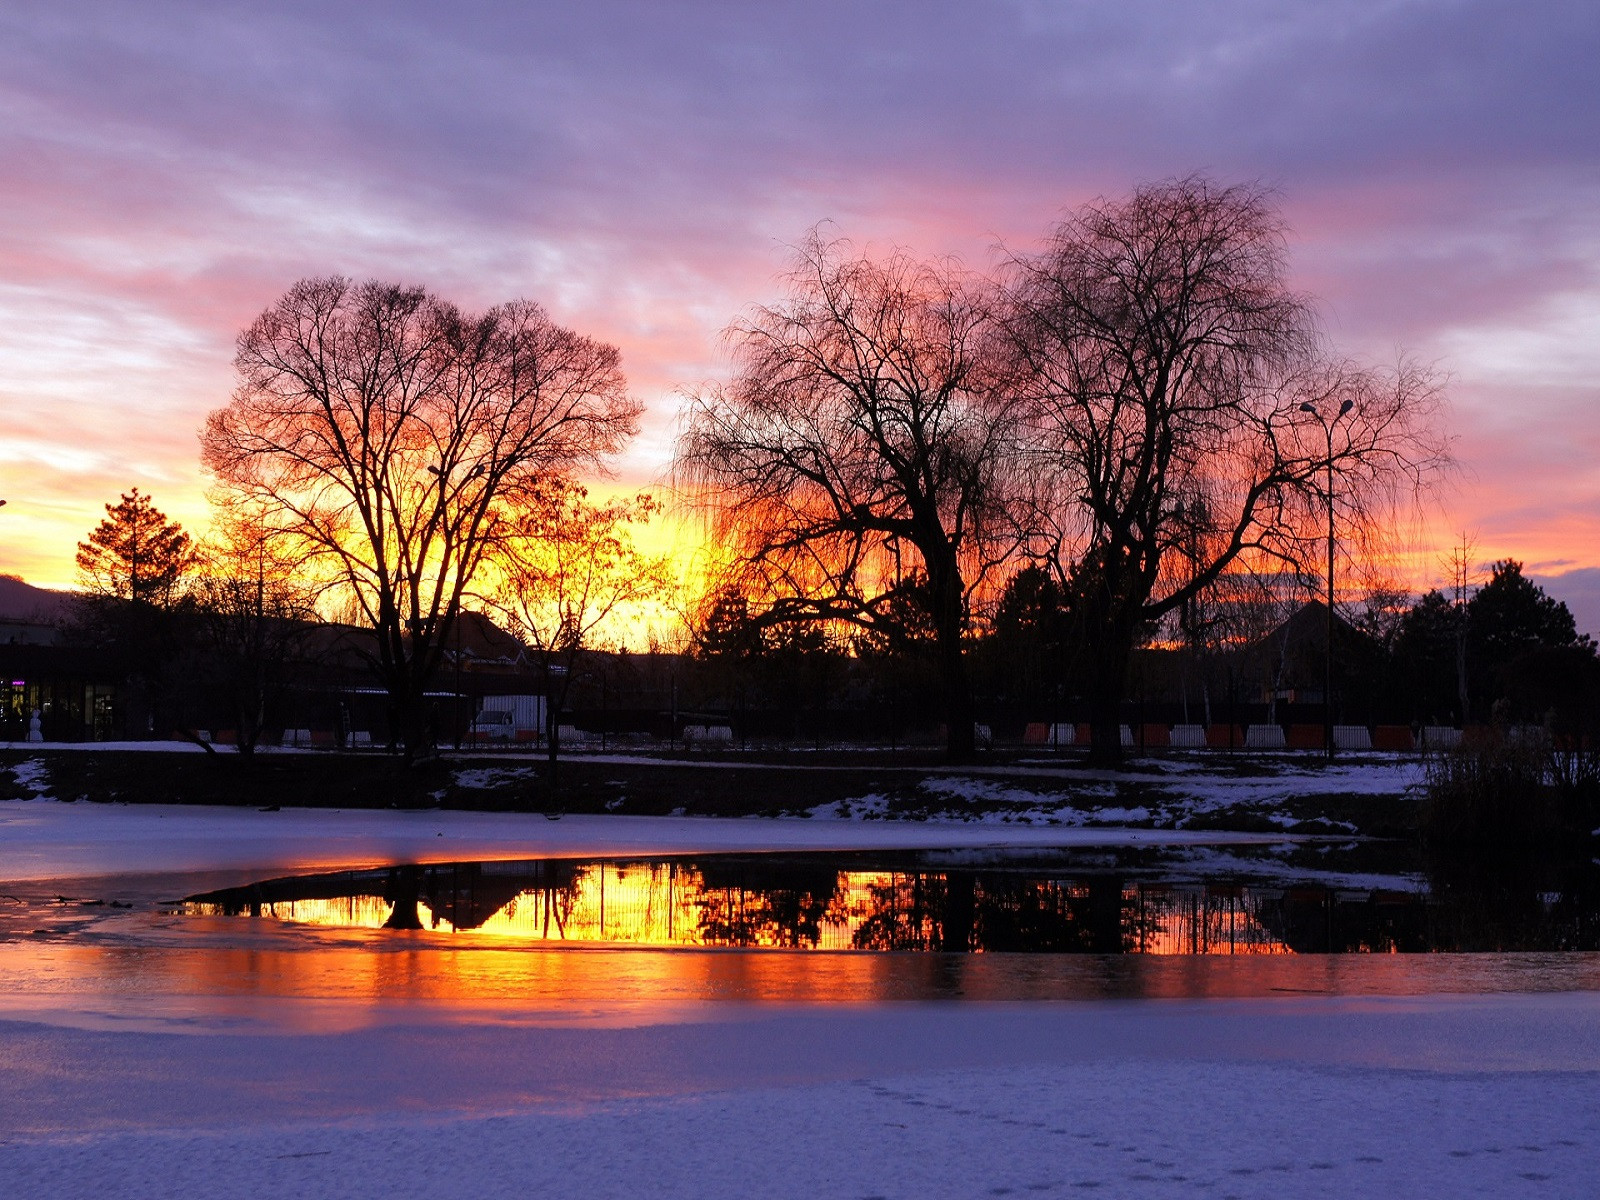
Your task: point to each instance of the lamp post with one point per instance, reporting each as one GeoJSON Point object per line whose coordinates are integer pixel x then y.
{"type": "Point", "coordinates": [1327, 656]}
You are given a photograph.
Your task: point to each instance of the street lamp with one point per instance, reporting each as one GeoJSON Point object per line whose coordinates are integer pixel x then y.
{"type": "Point", "coordinates": [1327, 656]}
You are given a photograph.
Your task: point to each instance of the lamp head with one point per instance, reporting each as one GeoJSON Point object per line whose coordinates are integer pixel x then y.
{"type": "Point", "coordinates": [1307, 408]}
{"type": "Point", "coordinates": [1346, 407]}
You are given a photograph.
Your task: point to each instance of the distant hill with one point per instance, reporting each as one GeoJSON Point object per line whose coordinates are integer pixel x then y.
{"type": "Point", "coordinates": [21, 601]}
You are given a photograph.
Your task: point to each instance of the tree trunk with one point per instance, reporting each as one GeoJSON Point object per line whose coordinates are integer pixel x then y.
{"type": "Point", "coordinates": [960, 744]}
{"type": "Point", "coordinates": [960, 889]}
{"type": "Point", "coordinates": [949, 622]}
{"type": "Point", "coordinates": [1105, 914]}
{"type": "Point", "coordinates": [1107, 685]}
{"type": "Point", "coordinates": [408, 709]}
{"type": "Point", "coordinates": [403, 889]}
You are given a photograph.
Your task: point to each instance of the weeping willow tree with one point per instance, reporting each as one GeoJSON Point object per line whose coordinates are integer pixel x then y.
{"type": "Point", "coordinates": [1188, 418]}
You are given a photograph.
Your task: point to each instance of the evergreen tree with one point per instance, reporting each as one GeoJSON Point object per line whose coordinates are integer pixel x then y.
{"type": "Point", "coordinates": [133, 567]}
{"type": "Point", "coordinates": [728, 631]}
{"type": "Point", "coordinates": [1512, 625]}
{"type": "Point", "coordinates": [1426, 666]}
{"type": "Point", "coordinates": [1031, 637]}
{"type": "Point", "coordinates": [135, 554]}
{"type": "Point", "coordinates": [1511, 615]}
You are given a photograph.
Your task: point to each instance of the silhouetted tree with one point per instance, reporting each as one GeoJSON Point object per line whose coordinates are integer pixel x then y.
{"type": "Point", "coordinates": [132, 568]}
{"type": "Point", "coordinates": [389, 435]}
{"type": "Point", "coordinates": [1031, 634]}
{"type": "Point", "coordinates": [565, 568]}
{"type": "Point", "coordinates": [1511, 614]}
{"type": "Point", "coordinates": [254, 613]}
{"type": "Point", "coordinates": [136, 554]}
{"type": "Point", "coordinates": [1513, 626]}
{"type": "Point", "coordinates": [1425, 657]}
{"type": "Point", "coordinates": [858, 447]}
{"type": "Point", "coordinates": [728, 632]}
{"type": "Point", "coordinates": [1190, 417]}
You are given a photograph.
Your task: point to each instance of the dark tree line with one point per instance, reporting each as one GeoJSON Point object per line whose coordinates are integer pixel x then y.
{"type": "Point", "coordinates": [1510, 650]}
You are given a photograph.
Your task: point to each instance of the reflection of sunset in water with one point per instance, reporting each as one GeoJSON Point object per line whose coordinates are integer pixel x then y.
{"type": "Point", "coordinates": [626, 942]}
{"type": "Point", "coordinates": [677, 904]}
{"type": "Point", "coordinates": [299, 981]}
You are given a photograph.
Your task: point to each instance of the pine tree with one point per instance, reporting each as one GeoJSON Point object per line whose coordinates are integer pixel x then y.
{"type": "Point", "coordinates": [1518, 637]}
{"type": "Point", "coordinates": [135, 554]}
{"type": "Point", "coordinates": [132, 569]}
{"type": "Point", "coordinates": [1511, 615]}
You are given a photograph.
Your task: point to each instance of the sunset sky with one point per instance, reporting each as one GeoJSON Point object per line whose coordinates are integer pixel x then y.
{"type": "Point", "coordinates": [167, 169]}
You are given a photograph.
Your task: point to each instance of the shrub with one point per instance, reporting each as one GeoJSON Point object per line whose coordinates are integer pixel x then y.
{"type": "Point", "coordinates": [1497, 787]}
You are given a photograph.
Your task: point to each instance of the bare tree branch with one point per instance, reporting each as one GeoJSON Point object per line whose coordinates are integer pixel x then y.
{"type": "Point", "coordinates": [389, 433]}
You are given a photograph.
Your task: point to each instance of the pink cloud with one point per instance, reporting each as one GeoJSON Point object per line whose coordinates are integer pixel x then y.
{"type": "Point", "coordinates": [167, 168]}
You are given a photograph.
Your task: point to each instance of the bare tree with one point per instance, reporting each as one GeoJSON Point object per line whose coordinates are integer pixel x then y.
{"type": "Point", "coordinates": [254, 612]}
{"type": "Point", "coordinates": [1189, 417]}
{"type": "Point", "coordinates": [388, 433]}
{"type": "Point", "coordinates": [857, 456]}
{"type": "Point", "coordinates": [567, 568]}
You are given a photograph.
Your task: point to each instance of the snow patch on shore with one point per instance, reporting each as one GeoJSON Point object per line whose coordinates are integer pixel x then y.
{"type": "Point", "coordinates": [487, 778]}
{"type": "Point", "coordinates": [33, 775]}
{"type": "Point", "coordinates": [1076, 798]}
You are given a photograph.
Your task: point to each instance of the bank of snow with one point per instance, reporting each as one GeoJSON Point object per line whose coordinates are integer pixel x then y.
{"type": "Point", "coordinates": [43, 839]}
{"type": "Point", "coordinates": [1173, 793]}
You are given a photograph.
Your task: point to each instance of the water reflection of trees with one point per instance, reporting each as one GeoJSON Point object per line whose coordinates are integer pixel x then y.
{"type": "Point", "coordinates": [787, 906]}
{"type": "Point", "coordinates": [467, 895]}
{"type": "Point", "coordinates": [1086, 916]}
{"type": "Point", "coordinates": [1514, 900]}
{"type": "Point", "coordinates": [809, 904]}
{"type": "Point", "coordinates": [958, 911]}
{"type": "Point", "coordinates": [898, 912]}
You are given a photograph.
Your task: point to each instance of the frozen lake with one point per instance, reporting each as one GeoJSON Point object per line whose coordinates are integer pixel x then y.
{"type": "Point", "coordinates": [283, 1041]}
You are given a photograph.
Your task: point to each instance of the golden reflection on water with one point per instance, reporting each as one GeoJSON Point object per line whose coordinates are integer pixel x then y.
{"type": "Point", "coordinates": [354, 981]}
{"type": "Point", "coordinates": [667, 904]}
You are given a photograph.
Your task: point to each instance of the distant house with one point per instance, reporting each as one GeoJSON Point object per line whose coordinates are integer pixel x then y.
{"type": "Point", "coordinates": [331, 687]}
{"type": "Point", "coordinates": [1289, 665]}
{"type": "Point", "coordinates": [338, 684]}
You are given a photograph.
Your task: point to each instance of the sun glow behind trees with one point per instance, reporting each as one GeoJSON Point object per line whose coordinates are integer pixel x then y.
{"type": "Point", "coordinates": [1134, 408]}
{"type": "Point", "coordinates": [390, 435]}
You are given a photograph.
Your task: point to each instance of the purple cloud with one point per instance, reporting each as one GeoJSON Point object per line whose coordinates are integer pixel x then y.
{"type": "Point", "coordinates": [167, 168]}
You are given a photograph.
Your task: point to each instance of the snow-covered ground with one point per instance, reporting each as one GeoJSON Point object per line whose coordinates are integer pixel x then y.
{"type": "Point", "coordinates": [204, 1067]}
{"type": "Point", "coordinates": [45, 839]}
{"type": "Point", "coordinates": [1176, 790]}
{"type": "Point", "coordinates": [1440, 1097]}
{"type": "Point", "coordinates": [1172, 792]}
